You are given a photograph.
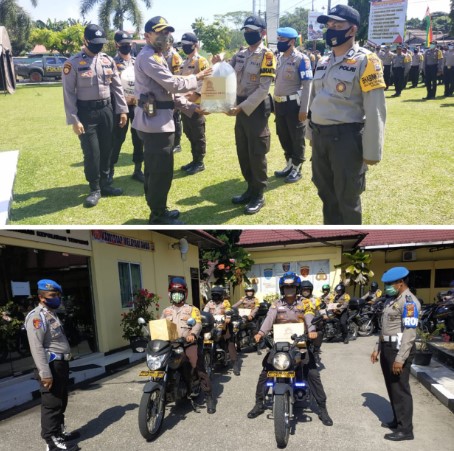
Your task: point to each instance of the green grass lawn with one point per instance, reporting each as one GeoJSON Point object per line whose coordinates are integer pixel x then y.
{"type": "Point", "coordinates": [412, 185]}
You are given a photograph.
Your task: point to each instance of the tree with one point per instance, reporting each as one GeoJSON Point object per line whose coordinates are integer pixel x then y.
{"type": "Point", "coordinates": [215, 37]}
{"type": "Point", "coordinates": [119, 9]}
{"type": "Point", "coordinates": [18, 23]}
{"type": "Point", "coordinates": [451, 16]}
{"type": "Point", "coordinates": [236, 18]}
{"type": "Point", "coordinates": [355, 271]}
{"type": "Point", "coordinates": [297, 20]}
{"type": "Point", "coordinates": [363, 7]}
{"type": "Point", "coordinates": [67, 41]}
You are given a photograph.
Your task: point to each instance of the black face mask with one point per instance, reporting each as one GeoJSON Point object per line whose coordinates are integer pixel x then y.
{"type": "Point", "coordinates": [188, 48]}
{"type": "Point", "coordinates": [252, 37]}
{"type": "Point", "coordinates": [94, 48]}
{"type": "Point", "coordinates": [125, 49]}
{"type": "Point", "coordinates": [162, 43]}
{"type": "Point", "coordinates": [334, 38]}
{"type": "Point", "coordinates": [283, 46]}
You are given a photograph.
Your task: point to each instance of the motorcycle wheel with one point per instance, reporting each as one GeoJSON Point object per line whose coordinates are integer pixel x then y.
{"type": "Point", "coordinates": [366, 329]}
{"type": "Point", "coordinates": [151, 414]}
{"type": "Point", "coordinates": [208, 365]}
{"type": "Point", "coordinates": [353, 331]}
{"type": "Point", "coordinates": [281, 419]}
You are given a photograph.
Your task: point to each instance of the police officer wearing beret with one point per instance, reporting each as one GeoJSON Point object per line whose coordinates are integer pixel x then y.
{"type": "Point", "coordinates": [396, 347]}
{"type": "Point", "coordinates": [291, 97]}
{"type": "Point", "coordinates": [194, 123]}
{"type": "Point", "coordinates": [155, 86]}
{"type": "Point", "coordinates": [51, 354]}
{"type": "Point", "coordinates": [347, 115]}
{"type": "Point", "coordinates": [89, 79]}
{"type": "Point", "coordinates": [255, 68]}
{"type": "Point", "coordinates": [123, 60]}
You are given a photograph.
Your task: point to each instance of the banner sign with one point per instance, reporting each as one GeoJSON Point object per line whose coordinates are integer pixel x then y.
{"type": "Point", "coordinates": [79, 239]}
{"type": "Point", "coordinates": [314, 29]}
{"type": "Point", "coordinates": [387, 21]}
{"type": "Point", "coordinates": [121, 240]}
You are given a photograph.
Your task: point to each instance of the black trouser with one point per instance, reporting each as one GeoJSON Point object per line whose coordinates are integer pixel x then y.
{"type": "Point", "coordinates": [119, 137]}
{"type": "Point", "coordinates": [343, 319]}
{"type": "Point", "coordinates": [194, 129]}
{"type": "Point", "coordinates": [55, 400]}
{"type": "Point", "coordinates": [399, 79]}
{"type": "Point", "coordinates": [431, 80]}
{"type": "Point", "coordinates": [158, 169]}
{"type": "Point", "coordinates": [338, 171]}
{"type": "Point", "coordinates": [195, 357]}
{"type": "Point", "coordinates": [290, 130]}
{"type": "Point", "coordinates": [177, 121]}
{"type": "Point", "coordinates": [387, 75]}
{"type": "Point", "coordinates": [252, 137]}
{"type": "Point", "coordinates": [449, 81]}
{"type": "Point", "coordinates": [398, 386]}
{"type": "Point", "coordinates": [319, 340]}
{"type": "Point", "coordinates": [310, 373]}
{"type": "Point", "coordinates": [229, 345]}
{"type": "Point", "coordinates": [96, 143]}
{"type": "Point", "coordinates": [414, 76]}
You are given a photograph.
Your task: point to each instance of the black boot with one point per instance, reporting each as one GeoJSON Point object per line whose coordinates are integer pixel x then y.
{"type": "Point", "coordinates": [211, 406]}
{"type": "Point", "coordinates": [257, 410]}
{"type": "Point", "coordinates": [110, 176]}
{"type": "Point", "coordinates": [92, 199]}
{"type": "Point", "coordinates": [236, 367]}
{"type": "Point", "coordinates": [138, 174]}
{"type": "Point", "coordinates": [164, 217]}
{"type": "Point", "coordinates": [242, 198]}
{"type": "Point", "coordinates": [286, 171]}
{"type": "Point", "coordinates": [324, 416]}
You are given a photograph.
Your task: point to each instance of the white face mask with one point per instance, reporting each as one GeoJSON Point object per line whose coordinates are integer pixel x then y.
{"type": "Point", "coordinates": [450, 47]}
{"type": "Point", "coordinates": [432, 46]}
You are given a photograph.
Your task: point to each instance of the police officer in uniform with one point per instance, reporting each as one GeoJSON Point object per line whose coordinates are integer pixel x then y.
{"type": "Point", "coordinates": [89, 79]}
{"type": "Point", "coordinates": [51, 354]}
{"type": "Point", "coordinates": [433, 67]}
{"type": "Point", "coordinates": [218, 306]}
{"type": "Point", "coordinates": [194, 123]}
{"type": "Point", "coordinates": [386, 57]}
{"type": "Point", "coordinates": [342, 299]}
{"type": "Point", "coordinates": [255, 68]}
{"type": "Point", "coordinates": [416, 65]}
{"type": "Point", "coordinates": [248, 302]}
{"type": "Point", "coordinates": [401, 65]}
{"type": "Point", "coordinates": [396, 348]}
{"type": "Point", "coordinates": [373, 294]}
{"type": "Point", "coordinates": [123, 60]}
{"type": "Point", "coordinates": [290, 309]}
{"type": "Point", "coordinates": [449, 70]}
{"type": "Point", "coordinates": [326, 296]}
{"type": "Point", "coordinates": [179, 312]}
{"type": "Point", "coordinates": [154, 88]}
{"type": "Point", "coordinates": [291, 96]}
{"type": "Point", "coordinates": [347, 114]}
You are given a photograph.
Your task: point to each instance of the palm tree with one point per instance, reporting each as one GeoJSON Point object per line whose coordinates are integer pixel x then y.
{"type": "Point", "coordinates": [120, 9]}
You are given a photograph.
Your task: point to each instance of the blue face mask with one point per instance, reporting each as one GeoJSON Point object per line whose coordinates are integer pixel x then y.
{"type": "Point", "coordinates": [52, 303]}
{"type": "Point", "coordinates": [390, 290]}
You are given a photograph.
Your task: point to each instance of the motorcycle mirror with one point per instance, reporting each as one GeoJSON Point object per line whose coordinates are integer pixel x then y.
{"type": "Point", "coordinates": [191, 322]}
{"type": "Point", "coordinates": [141, 321]}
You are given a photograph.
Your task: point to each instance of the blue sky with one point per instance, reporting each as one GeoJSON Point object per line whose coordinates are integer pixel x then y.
{"type": "Point", "coordinates": [181, 13]}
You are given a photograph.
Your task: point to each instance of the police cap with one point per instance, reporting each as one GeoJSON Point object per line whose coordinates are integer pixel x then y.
{"type": "Point", "coordinates": [95, 34]}
{"type": "Point", "coordinates": [49, 285]}
{"type": "Point", "coordinates": [254, 23]}
{"type": "Point", "coordinates": [287, 32]}
{"type": "Point", "coordinates": [157, 24]}
{"type": "Point", "coordinates": [189, 38]}
{"type": "Point", "coordinates": [122, 37]}
{"type": "Point", "coordinates": [394, 274]}
{"type": "Point", "coordinates": [341, 13]}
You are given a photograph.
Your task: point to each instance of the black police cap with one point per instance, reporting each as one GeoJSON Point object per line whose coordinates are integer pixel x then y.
{"type": "Point", "coordinates": [189, 38]}
{"type": "Point", "coordinates": [123, 37]}
{"type": "Point", "coordinates": [254, 23]}
{"type": "Point", "coordinates": [157, 24]}
{"type": "Point", "coordinates": [95, 34]}
{"type": "Point", "coordinates": [342, 13]}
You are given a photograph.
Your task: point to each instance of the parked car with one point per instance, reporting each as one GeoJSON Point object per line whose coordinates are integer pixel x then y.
{"type": "Point", "coordinates": [36, 68]}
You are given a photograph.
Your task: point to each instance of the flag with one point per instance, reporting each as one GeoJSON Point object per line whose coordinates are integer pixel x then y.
{"type": "Point", "coordinates": [429, 35]}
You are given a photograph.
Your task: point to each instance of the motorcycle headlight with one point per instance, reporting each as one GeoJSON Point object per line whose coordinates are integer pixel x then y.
{"type": "Point", "coordinates": [154, 362]}
{"type": "Point", "coordinates": [281, 361]}
{"type": "Point", "coordinates": [207, 336]}
{"type": "Point", "coordinates": [178, 350]}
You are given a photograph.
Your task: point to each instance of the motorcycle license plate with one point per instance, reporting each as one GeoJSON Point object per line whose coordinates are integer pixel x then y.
{"type": "Point", "coordinates": [207, 342]}
{"type": "Point", "coordinates": [156, 374]}
{"type": "Point", "coordinates": [280, 374]}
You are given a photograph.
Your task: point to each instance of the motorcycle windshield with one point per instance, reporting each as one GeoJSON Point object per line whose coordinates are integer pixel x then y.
{"type": "Point", "coordinates": [158, 347]}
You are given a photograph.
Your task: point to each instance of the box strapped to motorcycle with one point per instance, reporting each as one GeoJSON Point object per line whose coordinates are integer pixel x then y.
{"type": "Point", "coordinates": [244, 311]}
{"type": "Point", "coordinates": [284, 332]}
{"type": "Point", "coordinates": [162, 329]}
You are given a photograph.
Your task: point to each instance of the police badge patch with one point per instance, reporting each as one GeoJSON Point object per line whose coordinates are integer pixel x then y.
{"type": "Point", "coordinates": [410, 313]}
{"type": "Point", "coordinates": [341, 87]}
{"type": "Point", "coordinates": [37, 323]}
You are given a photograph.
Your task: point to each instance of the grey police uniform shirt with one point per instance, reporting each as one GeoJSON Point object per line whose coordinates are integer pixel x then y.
{"type": "Point", "coordinates": [417, 59]}
{"type": "Point", "coordinates": [434, 57]}
{"type": "Point", "coordinates": [152, 75]}
{"type": "Point", "coordinates": [402, 60]}
{"type": "Point", "coordinates": [253, 78]}
{"type": "Point", "coordinates": [449, 59]}
{"type": "Point", "coordinates": [45, 333]}
{"type": "Point", "coordinates": [91, 78]}
{"type": "Point", "coordinates": [350, 89]}
{"type": "Point", "coordinates": [386, 57]}
{"type": "Point", "coordinates": [294, 76]}
{"type": "Point", "coordinates": [394, 323]}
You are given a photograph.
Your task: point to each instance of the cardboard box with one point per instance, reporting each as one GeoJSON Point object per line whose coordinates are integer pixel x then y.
{"type": "Point", "coordinates": [283, 332]}
{"type": "Point", "coordinates": [244, 311]}
{"type": "Point", "coordinates": [161, 329]}
{"type": "Point", "coordinates": [332, 306]}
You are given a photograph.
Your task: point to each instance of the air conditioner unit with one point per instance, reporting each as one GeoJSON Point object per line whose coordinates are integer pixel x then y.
{"type": "Point", "coordinates": [408, 256]}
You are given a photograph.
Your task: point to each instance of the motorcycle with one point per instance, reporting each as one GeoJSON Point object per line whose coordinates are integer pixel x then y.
{"type": "Point", "coordinates": [167, 365]}
{"type": "Point", "coordinates": [445, 314]}
{"type": "Point", "coordinates": [427, 317]}
{"type": "Point", "coordinates": [369, 318]}
{"type": "Point", "coordinates": [244, 331]}
{"type": "Point", "coordinates": [332, 328]}
{"type": "Point", "coordinates": [285, 384]}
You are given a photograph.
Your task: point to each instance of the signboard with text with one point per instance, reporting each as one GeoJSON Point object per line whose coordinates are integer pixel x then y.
{"type": "Point", "coordinates": [387, 21]}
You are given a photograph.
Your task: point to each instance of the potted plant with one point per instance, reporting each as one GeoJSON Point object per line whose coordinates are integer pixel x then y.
{"type": "Point", "coordinates": [423, 354]}
{"type": "Point", "coordinates": [144, 305]}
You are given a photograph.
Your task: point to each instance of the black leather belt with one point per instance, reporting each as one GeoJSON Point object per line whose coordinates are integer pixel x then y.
{"type": "Point", "coordinates": [338, 127]}
{"type": "Point", "coordinates": [93, 104]}
{"type": "Point", "coordinates": [160, 105]}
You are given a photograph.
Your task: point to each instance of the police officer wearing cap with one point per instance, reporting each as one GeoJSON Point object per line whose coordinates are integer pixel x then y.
{"type": "Point", "coordinates": [417, 60]}
{"type": "Point", "coordinates": [433, 67]}
{"type": "Point", "coordinates": [123, 60]}
{"type": "Point", "coordinates": [155, 86]}
{"type": "Point", "coordinates": [194, 123]}
{"type": "Point", "coordinates": [386, 57]}
{"type": "Point", "coordinates": [291, 96]}
{"type": "Point", "coordinates": [51, 353]}
{"type": "Point", "coordinates": [396, 347]}
{"type": "Point", "coordinates": [89, 79]}
{"type": "Point", "coordinates": [255, 68]}
{"type": "Point", "coordinates": [401, 66]}
{"type": "Point", "coordinates": [347, 115]}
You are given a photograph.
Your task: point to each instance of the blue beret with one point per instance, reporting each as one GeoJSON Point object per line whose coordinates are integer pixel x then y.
{"type": "Point", "coordinates": [393, 274]}
{"type": "Point", "coordinates": [287, 32]}
{"type": "Point", "coordinates": [49, 285]}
